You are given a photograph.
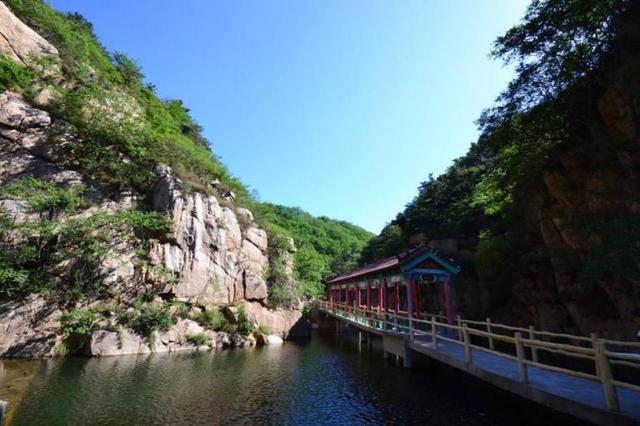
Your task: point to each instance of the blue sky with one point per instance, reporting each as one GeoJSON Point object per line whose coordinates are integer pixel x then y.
{"type": "Point", "coordinates": [340, 107]}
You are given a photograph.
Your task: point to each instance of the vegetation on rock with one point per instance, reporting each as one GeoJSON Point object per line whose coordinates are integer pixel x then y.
{"type": "Point", "coordinates": [123, 132]}
{"type": "Point", "coordinates": [324, 248]}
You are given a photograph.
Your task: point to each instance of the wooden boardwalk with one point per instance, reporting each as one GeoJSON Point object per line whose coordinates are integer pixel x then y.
{"type": "Point", "coordinates": [595, 397]}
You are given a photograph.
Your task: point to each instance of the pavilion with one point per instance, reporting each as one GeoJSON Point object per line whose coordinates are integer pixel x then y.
{"type": "Point", "coordinates": [398, 284]}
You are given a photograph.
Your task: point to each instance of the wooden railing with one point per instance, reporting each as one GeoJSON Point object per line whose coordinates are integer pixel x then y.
{"type": "Point", "coordinates": [522, 345]}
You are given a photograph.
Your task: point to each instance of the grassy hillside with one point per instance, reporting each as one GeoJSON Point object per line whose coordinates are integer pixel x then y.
{"type": "Point", "coordinates": [325, 247]}
{"type": "Point", "coordinates": [143, 127]}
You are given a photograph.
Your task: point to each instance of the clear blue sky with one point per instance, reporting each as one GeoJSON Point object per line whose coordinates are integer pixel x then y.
{"type": "Point", "coordinates": [340, 107]}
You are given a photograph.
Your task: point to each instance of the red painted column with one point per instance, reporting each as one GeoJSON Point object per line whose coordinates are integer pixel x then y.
{"type": "Point", "coordinates": [448, 301]}
{"type": "Point", "coordinates": [397, 289]}
{"type": "Point", "coordinates": [346, 297]}
{"type": "Point", "coordinates": [410, 297]}
{"type": "Point", "coordinates": [417, 289]}
{"type": "Point", "coordinates": [380, 298]}
{"type": "Point", "coordinates": [369, 296]}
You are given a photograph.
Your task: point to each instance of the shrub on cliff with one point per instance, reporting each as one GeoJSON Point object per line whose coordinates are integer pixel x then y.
{"type": "Point", "coordinates": [146, 319]}
{"type": "Point", "coordinates": [13, 75]}
{"type": "Point", "coordinates": [198, 339]}
{"type": "Point", "coordinates": [325, 248]}
{"type": "Point", "coordinates": [245, 326]}
{"type": "Point", "coordinates": [212, 319]}
{"type": "Point", "coordinates": [63, 257]}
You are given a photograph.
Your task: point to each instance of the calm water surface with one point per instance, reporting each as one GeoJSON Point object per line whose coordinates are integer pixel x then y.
{"type": "Point", "coordinates": [325, 380]}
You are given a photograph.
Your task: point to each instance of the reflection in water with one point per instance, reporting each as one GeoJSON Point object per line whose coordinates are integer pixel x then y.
{"type": "Point", "coordinates": [15, 378]}
{"type": "Point", "coordinates": [317, 382]}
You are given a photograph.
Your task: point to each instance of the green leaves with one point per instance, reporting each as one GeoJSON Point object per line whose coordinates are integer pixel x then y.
{"type": "Point", "coordinates": [325, 247]}
{"type": "Point", "coordinates": [64, 257]}
{"type": "Point", "coordinates": [45, 196]}
{"type": "Point", "coordinates": [146, 318]}
{"type": "Point", "coordinates": [78, 322]}
{"type": "Point", "coordinates": [558, 43]}
{"type": "Point", "coordinates": [13, 75]}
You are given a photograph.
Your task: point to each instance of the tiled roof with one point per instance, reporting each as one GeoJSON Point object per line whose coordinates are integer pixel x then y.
{"type": "Point", "coordinates": [383, 265]}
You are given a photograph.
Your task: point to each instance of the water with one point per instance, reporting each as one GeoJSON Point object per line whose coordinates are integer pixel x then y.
{"type": "Point", "coordinates": [325, 380]}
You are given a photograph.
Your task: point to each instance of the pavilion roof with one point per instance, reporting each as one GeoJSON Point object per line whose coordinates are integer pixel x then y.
{"type": "Point", "coordinates": [385, 265]}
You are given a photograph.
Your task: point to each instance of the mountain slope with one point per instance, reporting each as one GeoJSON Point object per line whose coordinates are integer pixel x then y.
{"type": "Point", "coordinates": [543, 211]}
{"type": "Point", "coordinates": [120, 230]}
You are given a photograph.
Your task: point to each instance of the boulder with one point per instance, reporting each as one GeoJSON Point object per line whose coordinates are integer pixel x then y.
{"type": "Point", "coordinates": [20, 42]}
{"type": "Point", "coordinates": [182, 329]}
{"type": "Point", "coordinates": [124, 342]}
{"type": "Point", "coordinates": [3, 409]}
{"type": "Point", "coordinates": [278, 321]}
{"type": "Point", "coordinates": [274, 340]}
{"type": "Point", "coordinates": [213, 260]}
{"type": "Point", "coordinates": [237, 340]}
{"type": "Point", "coordinates": [231, 313]}
{"type": "Point", "coordinates": [268, 339]}
{"type": "Point", "coordinates": [28, 328]}
{"type": "Point", "coordinates": [257, 237]}
{"type": "Point", "coordinates": [223, 339]}
{"type": "Point", "coordinates": [26, 147]}
{"type": "Point", "coordinates": [17, 114]}
{"type": "Point", "coordinates": [245, 214]}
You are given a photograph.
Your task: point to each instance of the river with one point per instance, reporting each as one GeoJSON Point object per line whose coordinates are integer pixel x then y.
{"type": "Point", "coordinates": [325, 380]}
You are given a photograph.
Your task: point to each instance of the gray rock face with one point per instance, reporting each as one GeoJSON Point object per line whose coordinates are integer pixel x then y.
{"type": "Point", "coordinates": [214, 259]}
{"type": "Point", "coordinates": [108, 343]}
{"type": "Point", "coordinates": [25, 149]}
{"type": "Point", "coordinates": [126, 342]}
{"type": "Point", "coordinates": [217, 253]}
{"type": "Point", "coordinates": [279, 321]}
{"type": "Point", "coordinates": [28, 328]}
{"type": "Point", "coordinates": [20, 42]}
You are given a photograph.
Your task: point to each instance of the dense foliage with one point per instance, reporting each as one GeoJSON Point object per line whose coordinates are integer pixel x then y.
{"type": "Point", "coordinates": [325, 247]}
{"type": "Point", "coordinates": [561, 51]}
{"type": "Point", "coordinates": [63, 257]}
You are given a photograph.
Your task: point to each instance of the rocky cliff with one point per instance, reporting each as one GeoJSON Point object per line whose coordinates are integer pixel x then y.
{"type": "Point", "coordinates": [202, 283]}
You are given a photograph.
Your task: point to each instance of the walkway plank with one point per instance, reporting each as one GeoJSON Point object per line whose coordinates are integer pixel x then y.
{"type": "Point", "coordinates": [578, 396]}
{"type": "Point", "coordinates": [577, 389]}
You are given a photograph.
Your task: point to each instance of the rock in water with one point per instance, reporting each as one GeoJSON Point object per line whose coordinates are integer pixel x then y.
{"type": "Point", "coordinates": [3, 408]}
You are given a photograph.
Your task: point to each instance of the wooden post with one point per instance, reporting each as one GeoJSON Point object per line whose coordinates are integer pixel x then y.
{"type": "Point", "coordinates": [467, 344]}
{"type": "Point", "coordinates": [491, 346]}
{"type": "Point", "coordinates": [522, 367]}
{"type": "Point", "coordinates": [459, 325]}
{"type": "Point", "coordinates": [532, 336]}
{"type": "Point", "coordinates": [434, 341]}
{"type": "Point", "coordinates": [606, 378]}
{"type": "Point", "coordinates": [594, 340]}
